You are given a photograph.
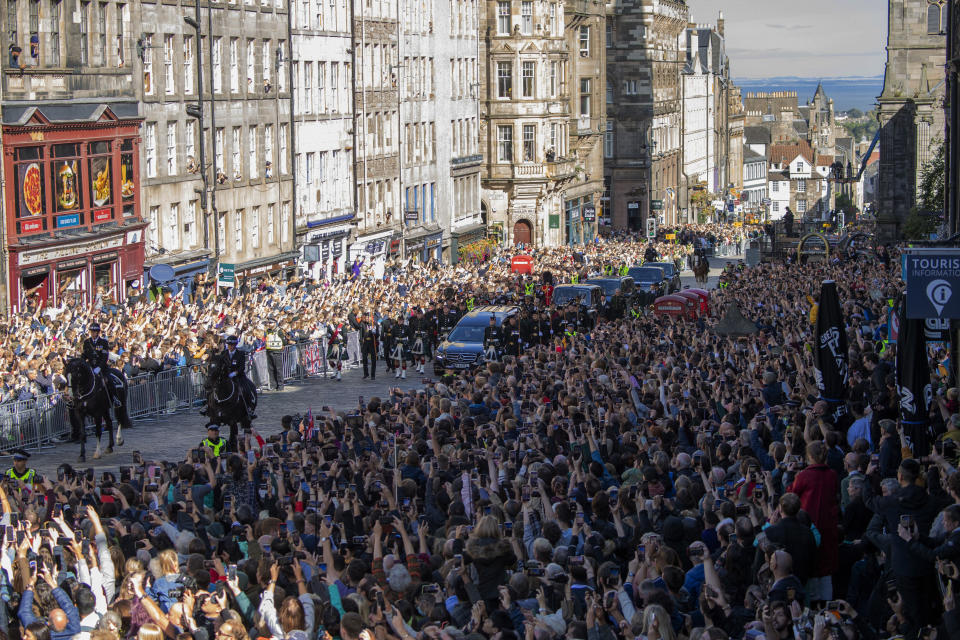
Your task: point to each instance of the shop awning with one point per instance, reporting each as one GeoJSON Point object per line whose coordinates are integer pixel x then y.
{"type": "Point", "coordinates": [470, 230]}
{"type": "Point", "coordinates": [432, 230]}
{"type": "Point", "coordinates": [313, 224]}
{"type": "Point", "coordinates": [175, 260]}
{"type": "Point", "coordinates": [269, 261]}
{"type": "Point", "coordinates": [69, 111]}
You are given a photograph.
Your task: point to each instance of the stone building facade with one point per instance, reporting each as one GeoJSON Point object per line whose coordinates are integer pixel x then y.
{"type": "Point", "coordinates": [242, 55]}
{"type": "Point", "coordinates": [911, 111]}
{"type": "Point", "coordinates": [72, 219]}
{"type": "Point", "coordinates": [542, 87]}
{"type": "Point", "coordinates": [644, 110]}
{"type": "Point", "coordinates": [323, 132]}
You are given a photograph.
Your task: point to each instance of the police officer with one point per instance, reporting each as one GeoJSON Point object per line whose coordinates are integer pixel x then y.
{"type": "Point", "coordinates": [96, 351]}
{"type": "Point", "coordinates": [19, 471]}
{"type": "Point", "coordinates": [275, 341]}
{"type": "Point", "coordinates": [213, 441]}
{"type": "Point", "coordinates": [235, 362]}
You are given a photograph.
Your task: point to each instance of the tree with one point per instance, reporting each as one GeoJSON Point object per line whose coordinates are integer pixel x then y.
{"type": "Point", "coordinates": [845, 203]}
{"type": "Point", "coordinates": [918, 226]}
{"type": "Point", "coordinates": [854, 113]}
{"type": "Point", "coordinates": [930, 189]}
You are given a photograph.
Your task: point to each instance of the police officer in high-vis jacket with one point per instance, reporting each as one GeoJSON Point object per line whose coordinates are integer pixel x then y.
{"type": "Point", "coordinates": [20, 471]}
{"type": "Point", "coordinates": [96, 352]}
{"type": "Point", "coordinates": [213, 441]}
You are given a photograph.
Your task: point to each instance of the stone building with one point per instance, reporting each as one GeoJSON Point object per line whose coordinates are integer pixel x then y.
{"type": "Point", "coordinates": [542, 87]}
{"type": "Point", "coordinates": [797, 178]}
{"type": "Point", "coordinates": [911, 105]}
{"type": "Point", "coordinates": [644, 110]}
{"type": "Point", "coordinates": [323, 133]}
{"type": "Point", "coordinates": [241, 51]}
{"type": "Point", "coordinates": [736, 117]}
{"type": "Point", "coordinates": [71, 126]}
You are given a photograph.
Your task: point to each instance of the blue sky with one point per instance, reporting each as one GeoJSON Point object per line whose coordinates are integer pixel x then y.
{"type": "Point", "coordinates": [814, 38]}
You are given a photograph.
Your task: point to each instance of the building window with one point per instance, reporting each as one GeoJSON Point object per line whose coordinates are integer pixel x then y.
{"type": "Point", "coordinates": [238, 230]}
{"type": "Point", "coordinates": [281, 60]}
{"type": "Point", "coordinates": [85, 34]}
{"type": "Point", "coordinates": [552, 20]}
{"type": "Point", "coordinates": [150, 148]}
{"type": "Point", "coordinates": [34, 15]}
{"type": "Point", "coordinates": [585, 86]}
{"type": "Point", "coordinates": [584, 41]}
{"type": "Point", "coordinates": [801, 168]}
{"type": "Point", "coordinates": [153, 230]}
{"type": "Point", "coordinates": [553, 138]}
{"type": "Point", "coordinates": [936, 18]}
{"type": "Point", "coordinates": [235, 153]}
{"type": "Point", "coordinates": [101, 49]}
{"type": "Point", "coordinates": [308, 168]}
{"type": "Point", "coordinates": [190, 223]}
{"type": "Point", "coordinates": [169, 83]}
{"type": "Point", "coordinates": [252, 152]}
{"type": "Point", "coordinates": [308, 87]}
{"type": "Point", "coordinates": [529, 142]}
{"type": "Point", "coordinates": [191, 146]}
{"type": "Point", "coordinates": [775, 187]}
{"type": "Point", "coordinates": [528, 72]}
{"type": "Point", "coordinates": [268, 151]}
{"type": "Point", "coordinates": [234, 65]}
{"type": "Point", "coordinates": [284, 221]}
{"type": "Point", "coordinates": [553, 79]}
{"type": "Point", "coordinates": [251, 65]}
{"type": "Point", "coordinates": [265, 60]}
{"type": "Point", "coordinates": [121, 8]}
{"type": "Point", "coordinates": [217, 65]}
{"type": "Point", "coordinates": [504, 79]}
{"type": "Point", "coordinates": [56, 9]}
{"type": "Point", "coordinates": [321, 77]}
{"type": "Point", "coordinates": [608, 141]}
{"type": "Point", "coordinates": [801, 186]}
{"type": "Point", "coordinates": [189, 80]}
{"type": "Point", "coordinates": [255, 227]}
{"type": "Point", "coordinates": [283, 149]}
{"type": "Point", "coordinates": [218, 151]}
{"type": "Point", "coordinates": [505, 143]}
{"type": "Point", "coordinates": [171, 148]}
{"type": "Point", "coordinates": [503, 18]}
{"type": "Point", "coordinates": [271, 215]}
{"type": "Point", "coordinates": [801, 206]}
{"type": "Point", "coordinates": [171, 233]}
{"type": "Point", "coordinates": [526, 17]}
{"type": "Point", "coordinates": [775, 206]}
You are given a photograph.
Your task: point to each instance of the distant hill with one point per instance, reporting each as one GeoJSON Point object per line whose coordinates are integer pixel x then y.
{"type": "Point", "coordinates": [847, 92]}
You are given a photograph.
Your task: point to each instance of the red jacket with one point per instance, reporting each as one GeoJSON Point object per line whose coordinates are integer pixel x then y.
{"type": "Point", "coordinates": [819, 490]}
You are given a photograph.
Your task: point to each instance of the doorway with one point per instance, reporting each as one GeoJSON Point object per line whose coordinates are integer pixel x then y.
{"type": "Point", "coordinates": [522, 232]}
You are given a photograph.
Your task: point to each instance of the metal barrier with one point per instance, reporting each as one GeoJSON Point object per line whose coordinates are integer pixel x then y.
{"type": "Point", "coordinates": [39, 422]}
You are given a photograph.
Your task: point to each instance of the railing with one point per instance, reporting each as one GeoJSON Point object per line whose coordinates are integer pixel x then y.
{"type": "Point", "coordinates": [37, 423]}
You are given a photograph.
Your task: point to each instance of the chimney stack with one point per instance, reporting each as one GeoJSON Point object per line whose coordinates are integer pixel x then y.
{"type": "Point", "coordinates": [720, 24]}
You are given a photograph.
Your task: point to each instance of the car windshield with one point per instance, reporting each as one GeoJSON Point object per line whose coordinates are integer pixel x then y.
{"type": "Point", "coordinates": [608, 286]}
{"type": "Point", "coordinates": [467, 333]}
{"type": "Point", "coordinates": [667, 269]}
{"type": "Point", "coordinates": [563, 297]}
{"type": "Point", "coordinates": [646, 274]}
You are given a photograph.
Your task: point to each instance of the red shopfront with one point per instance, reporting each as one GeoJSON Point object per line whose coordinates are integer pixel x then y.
{"type": "Point", "coordinates": [74, 228]}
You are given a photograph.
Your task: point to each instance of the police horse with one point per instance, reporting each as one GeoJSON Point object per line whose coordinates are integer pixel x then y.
{"type": "Point", "coordinates": [88, 397]}
{"type": "Point", "coordinates": [228, 399]}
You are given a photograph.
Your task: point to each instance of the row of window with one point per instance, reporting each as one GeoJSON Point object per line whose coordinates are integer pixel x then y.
{"type": "Point", "coordinates": [321, 15]}
{"type": "Point", "coordinates": [422, 199]}
{"type": "Point", "coordinates": [464, 19]}
{"type": "Point", "coordinates": [417, 17]}
{"type": "Point", "coordinates": [257, 146]}
{"type": "Point", "coordinates": [322, 87]}
{"type": "Point", "coordinates": [379, 65]}
{"type": "Point", "coordinates": [549, 23]}
{"type": "Point", "coordinates": [420, 142]}
{"type": "Point", "coordinates": [329, 173]}
{"type": "Point", "coordinates": [463, 77]}
{"type": "Point", "coordinates": [378, 133]}
{"type": "Point", "coordinates": [549, 87]}
{"type": "Point", "coordinates": [465, 140]}
{"type": "Point", "coordinates": [466, 195]}
{"type": "Point", "coordinates": [555, 144]}
{"type": "Point", "coordinates": [418, 78]}
{"type": "Point", "coordinates": [100, 24]}
{"type": "Point", "coordinates": [263, 60]}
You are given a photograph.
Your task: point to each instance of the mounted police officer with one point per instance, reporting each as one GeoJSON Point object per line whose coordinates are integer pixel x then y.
{"type": "Point", "coordinates": [96, 352]}
{"type": "Point", "coordinates": [20, 472]}
{"type": "Point", "coordinates": [235, 362]}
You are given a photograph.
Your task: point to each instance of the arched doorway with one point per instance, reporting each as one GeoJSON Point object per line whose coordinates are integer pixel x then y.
{"type": "Point", "coordinates": [522, 232]}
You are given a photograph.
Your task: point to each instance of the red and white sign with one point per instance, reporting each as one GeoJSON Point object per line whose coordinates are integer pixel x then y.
{"type": "Point", "coordinates": [101, 215]}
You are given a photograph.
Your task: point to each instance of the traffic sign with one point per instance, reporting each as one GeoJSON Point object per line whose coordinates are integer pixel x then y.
{"type": "Point", "coordinates": [651, 228]}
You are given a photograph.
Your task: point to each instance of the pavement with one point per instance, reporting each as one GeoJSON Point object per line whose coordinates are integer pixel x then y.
{"type": "Point", "coordinates": [169, 437]}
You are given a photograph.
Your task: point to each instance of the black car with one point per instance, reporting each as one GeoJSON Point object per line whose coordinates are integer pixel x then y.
{"type": "Point", "coordinates": [670, 273]}
{"type": "Point", "coordinates": [464, 348]}
{"type": "Point", "coordinates": [645, 276]}
{"type": "Point", "coordinates": [590, 297]}
{"type": "Point", "coordinates": [610, 284]}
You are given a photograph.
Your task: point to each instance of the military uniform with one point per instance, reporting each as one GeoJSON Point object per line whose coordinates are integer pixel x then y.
{"type": "Point", "coordinates": [96, 352]}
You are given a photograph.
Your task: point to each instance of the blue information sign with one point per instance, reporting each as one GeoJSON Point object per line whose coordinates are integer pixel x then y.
{"type": "Point", "coordinates": [70, 220]}
{"type": "Point", "coordinates": [933, 283]}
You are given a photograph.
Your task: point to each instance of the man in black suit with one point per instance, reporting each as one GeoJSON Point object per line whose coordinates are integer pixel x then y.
{"type": "Point", "coordinates": [794, 537]}
{"type": "Point", "coordinates": [369, 340]}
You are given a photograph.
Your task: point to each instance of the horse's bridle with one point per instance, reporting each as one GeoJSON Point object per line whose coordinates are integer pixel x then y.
{"type": "Point", "coordinates": [93, 386]}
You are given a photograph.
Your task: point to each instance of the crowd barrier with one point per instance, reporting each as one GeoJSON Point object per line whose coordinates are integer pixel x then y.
{"type": "Point", "coordinates": [39, 422]}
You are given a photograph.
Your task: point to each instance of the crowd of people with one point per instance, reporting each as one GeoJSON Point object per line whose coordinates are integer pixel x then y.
{"type": "Point", "coordinates": [155, 330]}
{"type": "Point", "coordinates": [651, 479]}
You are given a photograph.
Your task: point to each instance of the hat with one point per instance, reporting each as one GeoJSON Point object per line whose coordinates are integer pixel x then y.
{"type": "Point", "coordinates": [232, 339]}
{"type": "Point", "coordinates": [94, 326]}
{"type": "Point", "coordinates": [20, 454]}
{"type": "Point", "coordinates": [213, 427]}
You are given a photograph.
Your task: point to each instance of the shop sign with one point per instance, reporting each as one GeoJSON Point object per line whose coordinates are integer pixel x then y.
{"type": "Point", "coordinates": [101, 215]}
{"type": "Point", "coordinates": [71, 220]}
{"type": "Point", "coordinates": [72, 264]}
{"type": "Point", "coordinates": [589, 212]}
{"type": "Point", "coordinates": [35, 271]}
{"type": "Point", "coordinates": [64, 251]}
{"type": "Point", "coordinates": [656, 205]}
{"type": "Point", "coordinates": [226, 274]}
{"type": "Point", "coordinates": [105, 257]}
{"type": "Point", "coordinates": [375, 247]}
{"type": "Point", "coordinates": [311, 253]}
{"type": "Point", "coordinates": [29, 226]}
{"type": "Point", "coordinates": [338, 248]}
{"type": "Point", "coordinates": [434, 242]}
{"type": "Point", "coordinates": [554, 220]}
{"type": "Point", "coordinates": [325, 252]}
{"type": "Point", "coordinates": [411, 215]}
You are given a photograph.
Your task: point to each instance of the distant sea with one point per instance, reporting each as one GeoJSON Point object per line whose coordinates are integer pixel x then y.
{"type": "Point", "coordinates": [847, 92]}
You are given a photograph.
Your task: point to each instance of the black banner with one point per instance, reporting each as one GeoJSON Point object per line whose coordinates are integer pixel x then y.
{"type": "Point", "coordinates": [913, 383]}
{"type": "Point", "coordinates": [830, 352]}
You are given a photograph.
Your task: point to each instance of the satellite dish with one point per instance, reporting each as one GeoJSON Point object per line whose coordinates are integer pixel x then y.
{"type": "Point", "coordinates": [162, 273]}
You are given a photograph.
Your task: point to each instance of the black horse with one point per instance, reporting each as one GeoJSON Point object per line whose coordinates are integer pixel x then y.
{"type": "Point", "coordinates": [227, 399]}
{"type": "Point", "coordinates": [89, 398]}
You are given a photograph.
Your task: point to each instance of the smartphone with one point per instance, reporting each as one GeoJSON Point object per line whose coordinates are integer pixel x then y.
{"type": "Point", "coordinates": [381, 606]}
{"type": "Point", "coordinates": [232, 572]}
{"type": "Point", "coordinates": [11, 534]}
{"type": "Point", "coordinates": [251, 456]}
{"type": "Point", "coordinates": [360, 401]}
